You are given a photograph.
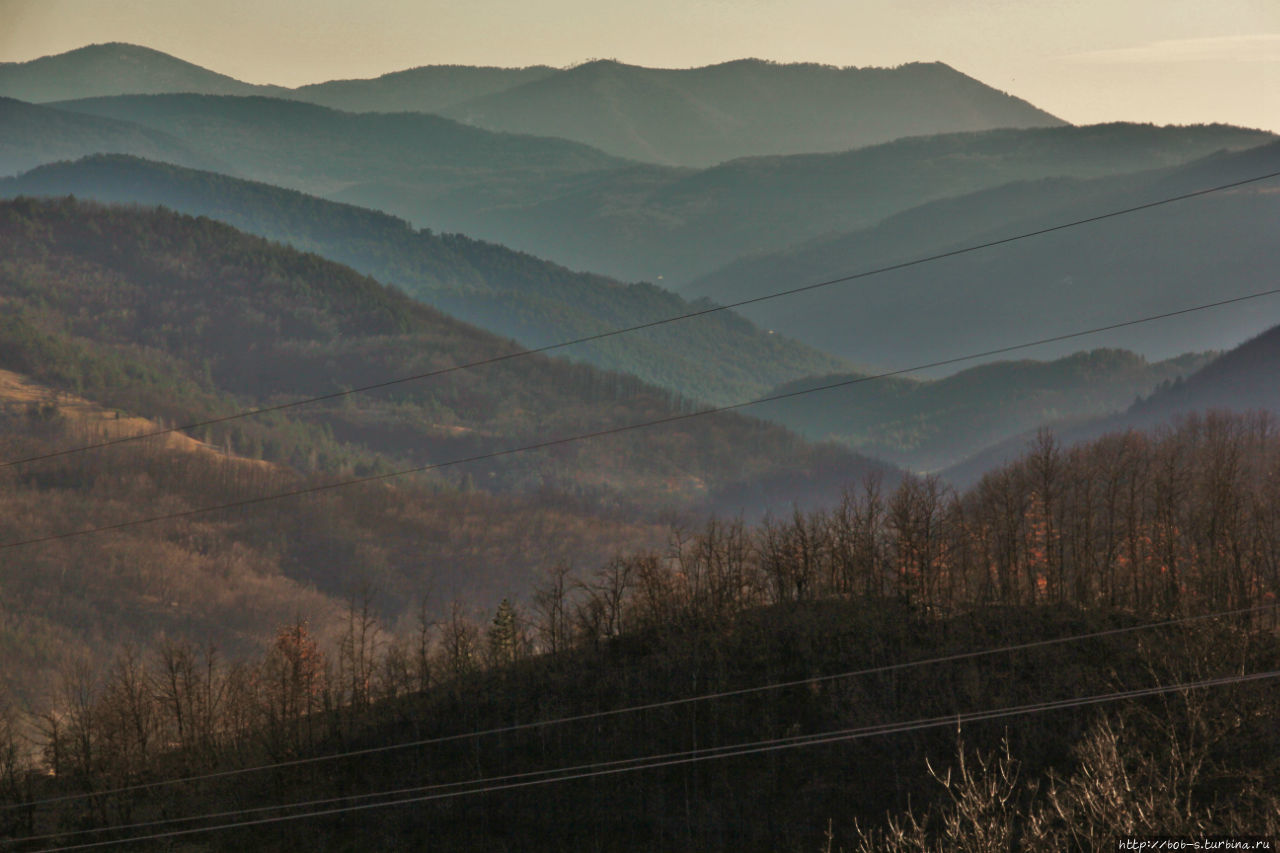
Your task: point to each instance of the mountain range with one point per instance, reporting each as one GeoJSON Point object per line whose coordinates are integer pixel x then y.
{"type": "Point", "coordinates": [1152, 261]}
{"type": "Point", "coordinates": [589, 210]}
{"type": "Point", "coordinates": [716, 357]}
{"type": "Point", "coordinates": [692, 117]}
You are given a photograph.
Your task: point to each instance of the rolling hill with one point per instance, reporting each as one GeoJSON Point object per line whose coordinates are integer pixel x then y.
{"type": "Point", "coordinates": [114, 69]}
{"type": "Point", "coordinates": [719, 358]}
{"type": "Point", "coordinates": [1240, 381]}
{"type": "Point", "coordinates": [115, 314]}
{"type": "Point", "coordinates": [165, 315]}
{"type": "Point", "coordinates": [589, 210]}
{"type": "Point", "coordinates": [650, 224]}
{"type": "Point", "coordinates": [693, 117]}
{"type": "Point", "coordinates": [927, 425]}
{"type": "Point", "coordinates": [1153, 261]}
{"type": "Point", "coordinates": [31, 135]}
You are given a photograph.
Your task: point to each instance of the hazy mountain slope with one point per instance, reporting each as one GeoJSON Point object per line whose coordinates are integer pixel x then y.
{"type": "Point", "coordinates": [1241, 380]}
{"type": "Point", "coordinates": [1150, 262]}
{"type": "Point", "coordinates": [230, 320]}
{"type": "Point", "coordinates": [149, 313]}
{"type": "Point", "coordinates": [321, 150]}
{"type": "Point", "coordinates": [646, 223]}
{"type": "Point", "coordinates": [114, 69]}
{"type": "Point", "coordinates": [703, 116]}
{"type": "Point", "coordinates": [720, 357]}
{"type": "Point", "coordinates": [428, 89]}
{"type": "Point", "coordinates": [930, 424]}
{"type": "Point", "coordinates": [588, 210]}
{"type": "Point", "coordinates": [1244, 379]}
{"type": "Point", "coordinates": [31, 135]}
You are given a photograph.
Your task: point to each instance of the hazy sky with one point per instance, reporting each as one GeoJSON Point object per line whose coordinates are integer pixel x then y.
{"type": "Point", "coordinates": [1085, 60]}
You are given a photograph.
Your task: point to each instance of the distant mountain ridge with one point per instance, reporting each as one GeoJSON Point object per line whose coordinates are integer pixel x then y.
{"type": "Point", "coordinates": [1155, 260]}
{"type": "Point", "coordinates": [687, 116]}
{"type": "Point", "coordinates": [31, 135]}
{"type": "Point", "coordinates": [591, 210]}
{"type": "Point", "coordinates": [703, 116]}
{"type": "Point", "coordinates": [428, 89]}
{"type": "Point", "coordinates": [115, 68]}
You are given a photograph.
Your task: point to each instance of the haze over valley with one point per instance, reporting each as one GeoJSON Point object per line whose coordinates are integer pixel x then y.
{"type": "Point", "coordinates": [626, 456]}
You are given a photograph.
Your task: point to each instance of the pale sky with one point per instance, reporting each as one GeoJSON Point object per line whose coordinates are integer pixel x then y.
{"type": "Point", "coordinates": [1166, 61]}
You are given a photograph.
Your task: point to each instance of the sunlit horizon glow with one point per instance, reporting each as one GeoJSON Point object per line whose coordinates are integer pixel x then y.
{"type": "Point", "coordinates": [1170, 62]}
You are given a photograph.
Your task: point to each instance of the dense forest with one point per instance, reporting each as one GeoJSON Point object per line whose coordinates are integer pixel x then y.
{"type": "Point", "coordinates": [186, 319]}
{"type": "Point", "coordinates": [118, 321]}
{"type": "Point", "coordinates": [734, 637]}
{"type": "Point", "coordinates": [719, 359]}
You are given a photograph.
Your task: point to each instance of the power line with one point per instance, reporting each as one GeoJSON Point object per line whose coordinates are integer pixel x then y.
{"type": "Point", "coordinates": [588, 771]}
{"type": "Point", "coordinates": [647, 325]}
{"type": "Point", "coordinates": [649, 706]}
{"type": "Point", "coordinates": [684, 416]}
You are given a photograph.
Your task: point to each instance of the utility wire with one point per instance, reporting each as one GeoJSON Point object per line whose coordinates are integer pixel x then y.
{"type": "Point", "coordinates": [589, 771]}
{"type": "Point", "coordinates": [650, 706]}
{"type": "Point", "coordinates": [647, 325]}
{"type": "Point", "coordinates": [684, 416]}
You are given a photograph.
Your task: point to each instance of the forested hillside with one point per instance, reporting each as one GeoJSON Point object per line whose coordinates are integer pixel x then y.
{"type": "Point", "coordinates": [718, 357]}
{"type": "Point", "coordinates": [182, 320]}
{"type": "Point", "coordinates": [119, 303]}
{"type": "Point", "coordinates": [927, 425]}
{"type": "Point", "coordinates": [1242, 380]}
{"type": "Point", "coordinates": [1082, 645]}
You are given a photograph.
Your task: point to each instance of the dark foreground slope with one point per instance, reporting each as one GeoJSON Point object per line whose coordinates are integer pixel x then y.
{"type": "Point", "coordinates": [1005, 639]}
{"type": "Point", "coordinates": [718, 358]}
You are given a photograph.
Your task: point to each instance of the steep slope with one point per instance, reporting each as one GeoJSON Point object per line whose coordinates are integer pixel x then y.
{"type": "Point", "coordinates": [114, 69]}
{"type": "Point", "coordinates": [1153, 261]}
{"type": "Point", "coordinates": [703, 116]}
{"type": "Point", "coordinates": [926, 424]}
{"type": "Point", "coordinates": [429, 89]}
{"type": "Point", "coordinates": [719, 357]}
{"type": "Point", "coordinates": [31, 135]}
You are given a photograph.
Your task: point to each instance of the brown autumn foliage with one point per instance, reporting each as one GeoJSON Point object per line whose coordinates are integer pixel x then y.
{"type": "Point", "coordinates": [1131, 528]}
